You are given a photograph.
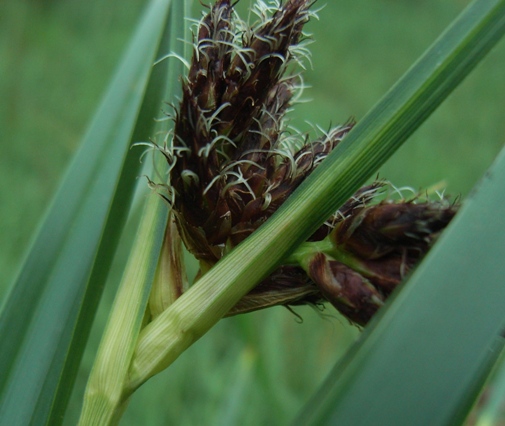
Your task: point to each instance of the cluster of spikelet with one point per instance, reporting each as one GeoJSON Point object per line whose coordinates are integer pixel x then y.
{"type": "Point", "coordinates": [233, 161]}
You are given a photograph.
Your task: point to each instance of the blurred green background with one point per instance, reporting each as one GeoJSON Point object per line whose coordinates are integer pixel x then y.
{"type": "Point", "coordinates": [56, 60]}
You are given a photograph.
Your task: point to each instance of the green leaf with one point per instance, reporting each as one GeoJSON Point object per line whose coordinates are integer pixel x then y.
{"type": "Point", "coordinates": [366, 147]}
{"type": "Point", "coordinates": [103, 399]}
{"type": "Point", "coordinates": [46, 319]}
{"type": "Point", "coordinates": [102, 402]}
{"type": "Point", "coordinates": [425, 360]}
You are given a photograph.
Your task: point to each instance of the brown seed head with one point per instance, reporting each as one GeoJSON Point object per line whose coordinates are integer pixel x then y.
{"type": "Point", "coordinates": [385, 241]}
{"type": "Point", "coordinates": [233, 162]}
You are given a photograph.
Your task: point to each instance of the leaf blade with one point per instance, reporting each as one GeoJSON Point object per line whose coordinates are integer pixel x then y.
{"type": "Point", "coordinates": [440, 337]}
{"type": "Point", "coordinates": [63, 253]}
{"type": "Point", "coordinates": [103, 398]}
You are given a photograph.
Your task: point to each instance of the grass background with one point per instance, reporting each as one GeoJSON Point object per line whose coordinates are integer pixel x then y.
{"type": "Point", "coordinates": [57, 58]}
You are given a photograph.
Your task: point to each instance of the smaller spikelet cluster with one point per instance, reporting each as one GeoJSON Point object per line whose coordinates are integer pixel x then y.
{"type": "Point", "coordinates": [234, 160]}
{"type": "Point", "coordinates": [373, 250]}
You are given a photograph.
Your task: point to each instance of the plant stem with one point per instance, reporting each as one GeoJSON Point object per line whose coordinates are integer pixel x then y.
{"type": "Point", "coordinates": [103, 399]}
{"type": "Point", "coordinates": [308, 248]}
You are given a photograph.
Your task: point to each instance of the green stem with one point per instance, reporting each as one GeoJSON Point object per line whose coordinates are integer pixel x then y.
{"type": "Point", "coordinates": [306, 251]}
{"type": "Point", "coordinates": [103, 399]}
{"type": "Point", "coordinates": [308, 248]}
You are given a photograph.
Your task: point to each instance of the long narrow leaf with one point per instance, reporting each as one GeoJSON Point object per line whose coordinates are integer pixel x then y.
{"type": "Point", "coordinates": [366, 147]}
{"type": "Point", "coordinates": [425, 361]}
{"type": "Point", "coordinates": [40, 316]}
{"type": "Point", "coordinates": [103, 403]}
{"type": "Point", "coordinates": [162, 84]}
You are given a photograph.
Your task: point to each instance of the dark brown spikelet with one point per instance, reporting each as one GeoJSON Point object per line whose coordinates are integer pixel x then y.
{"type": "Point", "coordinates": [387, 240]}
{"type": "Point", "coordinates": [374, 248]}
{"type": "Point", "coordinates": [234, 164]}
{"type": "Point", "coordinates": [234, 161]}
{"type": "Point", "coordinates": [351, 293]}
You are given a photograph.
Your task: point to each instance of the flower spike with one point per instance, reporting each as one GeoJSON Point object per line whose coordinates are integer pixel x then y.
{"type": "Point", "coordinates": [234, 161]}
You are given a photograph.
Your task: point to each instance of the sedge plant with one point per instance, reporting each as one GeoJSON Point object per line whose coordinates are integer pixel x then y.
{"type": "Point", "coordinates": [272, 217]}
{"type": "Point", "coordinates": [232, 162]}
